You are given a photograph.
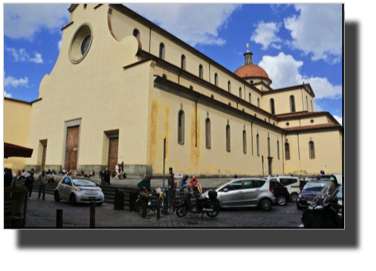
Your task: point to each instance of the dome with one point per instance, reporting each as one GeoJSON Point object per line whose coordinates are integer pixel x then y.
{"type": "Point", "coordinates": [251, 70]}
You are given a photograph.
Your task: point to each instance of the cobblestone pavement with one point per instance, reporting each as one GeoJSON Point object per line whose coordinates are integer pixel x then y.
{"type": "Point", "coordinates": [41, 214]}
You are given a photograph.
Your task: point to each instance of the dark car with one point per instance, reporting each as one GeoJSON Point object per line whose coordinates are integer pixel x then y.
{"type": "Point", "coordinates": [339, 207]}
{"type": "Point", "coordinates": [280, 192]}
{"type": "Point", "coordinates": [310, 190]}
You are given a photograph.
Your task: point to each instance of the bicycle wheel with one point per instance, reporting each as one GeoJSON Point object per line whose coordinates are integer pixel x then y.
{"type": "Point", "coordinates": [138, 207]}
{"type": "Point", "coordinates": [169, 206]}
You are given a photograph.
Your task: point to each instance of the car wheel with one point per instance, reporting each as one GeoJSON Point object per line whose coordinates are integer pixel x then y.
{"type": "Point", "coordinates": [281, 200]}
{"type": "Point", "coordinates": [72, 199]}
{"type": "Point", "coordinates": [181, 210]}
{"type": "Point", "coordinates": [265, 204]}
{"type": "Point", "coordinates": [294, 197]}
{"type": "Point", "coordinates": [56, 196]}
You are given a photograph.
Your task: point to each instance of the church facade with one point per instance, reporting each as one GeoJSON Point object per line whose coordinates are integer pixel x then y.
{"type": "Point", "coordinates": [121, 85]}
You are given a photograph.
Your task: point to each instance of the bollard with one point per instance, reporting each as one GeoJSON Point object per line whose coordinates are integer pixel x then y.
{"type": "Point", "coordinates": [59, 218]}
{"type": "Point", "coordinates": [92, 214]}
{"type": "Point", "coordinates": [158, 209]}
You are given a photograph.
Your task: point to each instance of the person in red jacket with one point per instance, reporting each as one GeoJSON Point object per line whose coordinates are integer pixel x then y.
{"type": "Point", "coordinates": [195, 183]}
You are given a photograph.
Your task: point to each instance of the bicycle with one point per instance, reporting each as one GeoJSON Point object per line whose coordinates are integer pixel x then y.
{"type": "Point", "coordinates": [153, 205]}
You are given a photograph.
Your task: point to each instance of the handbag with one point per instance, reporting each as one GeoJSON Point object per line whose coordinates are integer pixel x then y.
{"type": "Point", "coordinates": [144, 195]}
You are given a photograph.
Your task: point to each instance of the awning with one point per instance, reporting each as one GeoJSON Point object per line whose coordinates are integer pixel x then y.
{"type": "Point", "coordinates": [11, 150]}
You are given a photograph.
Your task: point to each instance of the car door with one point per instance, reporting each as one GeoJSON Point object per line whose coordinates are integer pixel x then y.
{"type": "Point", "coordinates": [251, 192]}
{"type": "Point", "coordinates": [233, 195]}
{"type": "Point", "coordinates": [66, 186]}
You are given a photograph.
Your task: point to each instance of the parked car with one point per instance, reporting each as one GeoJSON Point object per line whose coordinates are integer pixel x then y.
{"type": "Point", "coordinates": [337, 177]}
{"type": "Point", "coordinates": [310, 190]}
{"type": "Point", "coordinates": [291, 182]}
{"type": "Point", "coordinates": [246, 192]}
{"type": "Point", "coordinates": [78, 189]}
{"type": "Point", "coordinates": [280, 192]}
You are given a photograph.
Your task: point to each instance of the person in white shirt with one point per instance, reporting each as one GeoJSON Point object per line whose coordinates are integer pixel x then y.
{"type": "Point", "coordinates": [52, 178]}
{"type": "Point", "coordinates": [24, 173]}
{"type": "Point", "coordinates": [117, 171]}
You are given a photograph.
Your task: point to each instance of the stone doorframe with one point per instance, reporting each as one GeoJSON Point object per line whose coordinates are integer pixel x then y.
{"type": "Point", "coordinates": [68, 124]}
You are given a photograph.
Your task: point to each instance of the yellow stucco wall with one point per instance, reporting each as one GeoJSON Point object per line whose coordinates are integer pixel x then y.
{"type": "Point", "coordinates": [16, 129]}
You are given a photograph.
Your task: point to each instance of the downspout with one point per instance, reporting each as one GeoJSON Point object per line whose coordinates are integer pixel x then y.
{"type": "Point", "coordinates": [196, 119]}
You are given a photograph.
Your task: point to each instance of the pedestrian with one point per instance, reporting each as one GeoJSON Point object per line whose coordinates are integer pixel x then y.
{"type": "Point", "coordinates": [101, 177]}
{"type": "Point", "coordinates": [117, 171]}
{"type": "Point", "coordinates": [52, 178]}
{"type": "Point", "coordinates": [29, 184]}
{"type": "Point", "coordinates": [322, 172]}
{"type": "Point", "coordinates": [63, 172]}
{"type": "Point", "coordinates": [107, 176]}
{"type": "Point", "coordinates": [8, 177]}
{"type": "Point", "coordinates": [196, 184]}
{"type": "Point", "coordinates": [144, 185]}
{"type": "Point", "coordinates": [42, 184]}
{"type": "Point", "coordinates": [122, 168]}
{"type": "Point", "coordinates": [24, 173]}
{"type": "Point", "coordinates": [92, 173]}
{"type": "Point", "coordinates": [184, 182]}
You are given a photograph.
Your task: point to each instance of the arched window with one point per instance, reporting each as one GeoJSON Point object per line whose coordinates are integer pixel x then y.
{"type": "Point", "coordinates": [240, 93]}
{"type": "Point", "coordinates": [228, 145]}
{"type": "Point", "coordinates": [311, 150]}
{"type": "Point", "coordinates": [307, 102]}
{"type": "Point", "coordinates": [258, 145]}
{"type": "Point", "coordinates": [191, 87]}
{"type": "Point", "coordinates": [251, 81]}
{"type": "Point", "coordinates": [216, 79]}
{"type": "Point", "coordinates": [161, 51]}
{"type": "Point", "coordinates": [183, 62]}
{"type": "Point", "coordinates": [249, 95]}
{"type": "Point", "coordinates": [181, 127]}
{"type": "Point", "coordinates": [244, 142]}
{"type": "Point", "coordinates": [164, 76]}
{"type": "Point", "coordinates": [136, 33]}
{"type": "Point", "coordinates": [200, 71]}
{"type": "Point", "coordinates": [292, 103]}
{"type": "Point", "coordinates": [311, 106]}
{"type": "Point", "coordinates": [258, 102]}
{"type": "Point", "coordinates": [207, 132]}
{"type": "Point", "coordinates": [269, 147]}
{"type": "Point", "coordinates": [229, 86]}
{"type": "Point", "coordinates": [287, 151]}
{"type": "Point", "coordinates": [272, 106]}
{"type": "Point", "coordinates": [278, 149]}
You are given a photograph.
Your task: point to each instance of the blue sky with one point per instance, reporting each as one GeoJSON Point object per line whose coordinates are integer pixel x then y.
{"type": "Point", "coordinates": [293, 43]}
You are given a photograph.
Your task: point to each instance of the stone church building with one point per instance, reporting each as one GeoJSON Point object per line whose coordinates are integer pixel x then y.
{"type": "Point", "coordinates": [122, 84]}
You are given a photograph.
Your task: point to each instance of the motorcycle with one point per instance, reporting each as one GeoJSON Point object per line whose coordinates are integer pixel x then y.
{"type": "Point", "coordinates": [209, 205]}
{"type": "Point", "coordinates": [324, 211]}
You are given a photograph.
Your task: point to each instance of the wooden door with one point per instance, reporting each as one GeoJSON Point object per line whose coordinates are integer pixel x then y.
{"type": "Point", "coordinates": [72, 149]}
{"type": "Point", "coordinates": [44, 156]}
{"type": "Point", "coordinates": [113, 154]}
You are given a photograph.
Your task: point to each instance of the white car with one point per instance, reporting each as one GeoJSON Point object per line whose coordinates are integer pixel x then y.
{"type": "Point", "coordinates": [291, 182]}
{"type": "Point", "coordinates": [78, 189]}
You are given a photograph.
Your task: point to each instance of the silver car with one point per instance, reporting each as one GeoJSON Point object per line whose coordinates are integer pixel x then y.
{"type": "Point", "coordinates": [78, 189]}
{"type": "Point", "coordinates": [246, 192]}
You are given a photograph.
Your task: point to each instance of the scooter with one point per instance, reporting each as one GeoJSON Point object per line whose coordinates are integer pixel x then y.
{"type": "Point", "coordinates": [324, 211]}
{"type": "Point", "coordinates": [209, 205]}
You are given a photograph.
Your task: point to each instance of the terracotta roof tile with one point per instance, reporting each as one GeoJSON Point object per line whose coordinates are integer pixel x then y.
{"type": "Point", "coordinates": [312, 127]}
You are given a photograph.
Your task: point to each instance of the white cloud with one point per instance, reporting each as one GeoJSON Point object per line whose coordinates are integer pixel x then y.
{"type": "Point", "coordinates": [192, 23]}
{"type": "Point", "coordinates": [8, 95]}
{"type": "Point", "coordinates": [13, 82]}
{"type": "Point", "coordinates": [317, 30]}
{"type": "Point", "coordinates": [284, 71]}
{"type": "Point", "coordinates": [24, 20]}
{"type": "Point", "coordinates": [317, 107]}
{"type": "Point", "coordinates": [265, 34]}
{"type": "Point", "coordinates": [21, 55]}
{"type": "Point", "coordinates": [59, 44]}
{"type": "Point", "coordinates": [339, 119]}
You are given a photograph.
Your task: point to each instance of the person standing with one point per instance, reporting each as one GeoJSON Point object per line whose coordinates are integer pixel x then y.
{"type": "Point", "coordinates": [122, 168]}
{"type": "Point", "coordinates": [107, 176]}
{"type": "Point", "coordinates": [24, 173]}
{"type": "Point", "coordinates": [8, 177]}
{"type": "Point", "coordinates": [29, 184]}
{"type": "Point", "coordinates": [144, 185]}
{"type": "Point", "coordinates": [117, 171]}
{"type": "Point", "coordinates": [42, 184]}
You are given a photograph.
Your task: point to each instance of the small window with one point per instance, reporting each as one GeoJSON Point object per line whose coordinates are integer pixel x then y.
{"type": "Point", "coordinates": [237, 185]}
{"type": "Point", "coordinates": [183, 62]}
{"type": "Point", "coordinates": [200, 71]}
{"type": "Point", "coordinates": [251, 81]}
{"type": "Point", "coordinates": [311, 150]}
{"type": "Point", "coordinates": [229, 104]}
{"type": "Point", "coordinates": [292, 103]}
{"type": "Point", "coordinates": [311, 121]}
{"type": "Point", "coordinates": [191, 87]}
{"type": "Point", "coordinates": [212, 96]}
{"type": "Point", "coordinates": [244, 142]}
{"type": "Point", "coordinates": [229, 86]}
{"type": "Point", "coordinates": [181, 127]}
{"type": "Point", "coordinates": [287, 151]}
{"type": "Point", "coordinates": [216, 79]}
{"type": "Point", "coordinates": [249, 97]}
{"type": "Point", "coordinates": [258, 144]}
{"type": "Point", "coordinates": [85, 44]}
{"type": "Point", "coordinates": [278, 149]}
{"type": "Point", "coordinates": [228, 145]}
{"type": "Point", "coordinates": [164, 76]}
{"type": "Point", "coordinates": [240, 93]}
{"type": "Point", "coordinates": [272, 106]}
{"type": "Point", "coordinates": [136, 33]}
{"type": "Point", "coordinates": [258, 102]}
{"type": "Point", "coordinates": [85, 6]}
{"type": "Point", "coordinates": [208, 133]}
{"type": "Point", "coordinates": [287, 124]}
{"type": "Point", "coordinates": [161, 51]}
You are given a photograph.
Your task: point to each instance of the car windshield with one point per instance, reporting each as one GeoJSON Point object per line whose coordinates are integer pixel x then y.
{"type": "Point", "coordinates": [339, 194]}
{"type": "Point", "coordinates": [83, 182]}
{"type": "Point", "coordinates": [314, 186]}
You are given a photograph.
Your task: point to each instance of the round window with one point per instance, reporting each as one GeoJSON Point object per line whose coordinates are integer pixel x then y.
{"type": "Point", "coordinates": [85, 44]}
{"type": "Point", "coordinates": [287, 124]}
